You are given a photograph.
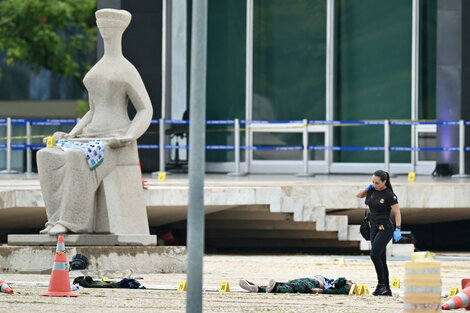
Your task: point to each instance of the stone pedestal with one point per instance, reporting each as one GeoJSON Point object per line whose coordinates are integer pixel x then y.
{"type": "Point", "coordinates": [83, 240]}
{"type": "Point", "coordinates": [102, 260]}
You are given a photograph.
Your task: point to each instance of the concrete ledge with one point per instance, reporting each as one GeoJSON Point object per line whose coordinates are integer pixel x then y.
{"type": "Point", "coordinates": [84, 240]}
{"type": "Point", "coordinates": [400, 249]}
{"type": "Point", "coordinates": [137, 259]}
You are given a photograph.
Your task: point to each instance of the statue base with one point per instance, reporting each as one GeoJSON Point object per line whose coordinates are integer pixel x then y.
{"type": "Point", "coordinates": [109, 261]}
{"type": "Point", "coordinates": [83, 240]}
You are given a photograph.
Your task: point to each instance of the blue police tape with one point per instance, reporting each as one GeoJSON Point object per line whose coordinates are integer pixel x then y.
{"type": "Point", "coordinates": [51, 122]}
{"type": "Point", "coordinates": [271, 122]}
{"type": "Point", "coordinates": [425, 149]}
{"type": "Point", "coordinates": [338, 148]}
{"type": "Point", "coordinates": [346, 122]}
{"type": "Point", "coordinates": [208, 122]}
{"type": "Point", "coordinates": [220, 147]}
{"type": "Point", "coordinates": [220, 122]}
{"type": "Point", "coordinates": [144, 147]}
{"type": "Point", "coordinates": [20, 147]}
{"type": "Point", "coordinates": [410, 123]}
{"type": "Point", "coordinates": [272, 148]}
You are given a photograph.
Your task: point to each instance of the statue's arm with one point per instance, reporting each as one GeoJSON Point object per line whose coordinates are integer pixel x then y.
{"type": "Point", "coordinates": [84, 121]}
{"type": "Point", "coordinates": [141, 101]}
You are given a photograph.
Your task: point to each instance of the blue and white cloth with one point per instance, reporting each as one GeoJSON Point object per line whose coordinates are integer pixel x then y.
{"type": "Point", "coordinates": [327, 282]}
{"type": "Point", "coordinates": [94, 150]}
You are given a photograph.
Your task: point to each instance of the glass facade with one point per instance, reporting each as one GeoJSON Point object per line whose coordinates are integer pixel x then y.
{"type": "Point", "coordinates": [372, 71]}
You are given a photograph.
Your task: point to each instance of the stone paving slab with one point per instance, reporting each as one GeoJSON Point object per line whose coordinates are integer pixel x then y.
{"type": "Point", "coordinates": [232, 268]}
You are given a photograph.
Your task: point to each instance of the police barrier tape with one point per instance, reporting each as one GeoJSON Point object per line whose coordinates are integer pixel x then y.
{"type": "Point", "coordinates": [22, 147]}
{"type": "Point", "coordinates": [60, 122]}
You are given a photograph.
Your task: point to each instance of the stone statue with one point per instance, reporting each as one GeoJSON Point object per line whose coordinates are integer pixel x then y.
{"type": "Point", "coordinates": [91, 181]}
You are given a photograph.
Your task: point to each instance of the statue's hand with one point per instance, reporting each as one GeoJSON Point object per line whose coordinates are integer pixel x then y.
{"type": "Point", "coordinates": [120, 142]}
{"type": "Point", "coordinates": [57, 136]}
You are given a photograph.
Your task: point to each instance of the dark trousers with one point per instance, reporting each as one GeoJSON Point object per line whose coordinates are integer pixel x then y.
{"type": "Point", "coordinates": [380, 234]}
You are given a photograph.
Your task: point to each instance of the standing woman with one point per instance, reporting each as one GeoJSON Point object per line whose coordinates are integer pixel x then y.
{"type": "Point", "coordinates": [381, 200]}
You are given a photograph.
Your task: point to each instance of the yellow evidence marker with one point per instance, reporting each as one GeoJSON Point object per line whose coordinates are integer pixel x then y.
{"type": "Point", "coordinates": [453, 292]}
{"type": "Point", "coordinates": [50, 142]}
{"type": "Point", "coordinates": [411, 176]}
{"type": "Point", "coordinates": [182, 285]}
{"type": "Point", "coordinates": [352, 291]}
{"type": "Point", "coordinates": [395, 282]}
{"type": "Point", "coordinates": [224, 286]}
{"type": "Point", "coordinates": [359, 290]}
{"type": "Point", "coordinates": [365, 290]}
{"type": "Point", "coordinates": [161, 176]}
{"type": "Point", "coordinates": [342, 262]}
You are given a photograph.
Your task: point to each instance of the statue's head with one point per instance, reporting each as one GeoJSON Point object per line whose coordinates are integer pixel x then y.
{"type": "Point", "coordinates": [112, 22]}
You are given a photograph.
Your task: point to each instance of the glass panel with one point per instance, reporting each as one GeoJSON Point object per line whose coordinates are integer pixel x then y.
{"type": "Point", "coordinates": [426, 140]}
{"type": "Point", "coordinates": [277, 140]}
{"type": "Point", "coordinates": [225, 72]}
{"type": "Point", "coordinates": [374, 72]}
{"type": "Point", "coordinates": [287, 139]}
{"type": "Point", "coordinates": [289, 59]}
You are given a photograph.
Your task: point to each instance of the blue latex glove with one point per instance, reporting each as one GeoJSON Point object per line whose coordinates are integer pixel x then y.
{"type": "Point", "coordinates": [370, 186]}
{"type": "Point", "coordinates": [397, 235]}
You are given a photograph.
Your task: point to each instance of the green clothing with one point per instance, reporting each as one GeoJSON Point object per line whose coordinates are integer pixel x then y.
{"type": "Point", "coordinates": [305, 285]}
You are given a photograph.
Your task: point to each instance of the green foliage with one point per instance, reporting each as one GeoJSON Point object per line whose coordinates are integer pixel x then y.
{"type": "Point", "coordinates": [82, 107]}
{"type": "Point", "coordinates": [54, 34]}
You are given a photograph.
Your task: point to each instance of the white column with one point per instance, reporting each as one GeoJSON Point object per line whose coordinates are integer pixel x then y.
{"type": "Point", "coordinates": [414, 79]}
{"type": "Point", "coordinates": [249, 80]}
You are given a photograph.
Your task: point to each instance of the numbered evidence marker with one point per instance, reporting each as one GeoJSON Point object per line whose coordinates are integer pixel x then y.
{"type": "Point", "coordinates": [352, 290]}
{"type": "Point", "coordinates": [453, 292]}
{"type": "Point", "coordinates": [359, 290]}
{"type": "Point", "coordinates": [342, 262]}
{"type": "Point", "coordinates": [161, 176]}
{"type": "Point", "coordinates": [224, 286]}
{"type": "Point", "coordinates": [366, 291]}
{"type": "Point", "coordinates": [50, 142]}
{"type": "Point", "coordinates": [411, 176]}
{"type": "Point", "coordinates": [395, 282]}
{"type": "Point", "coordinates": [182, 286]}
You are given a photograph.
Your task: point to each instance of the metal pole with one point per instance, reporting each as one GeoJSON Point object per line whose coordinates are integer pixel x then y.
{"type": "Point", "coordinates": [8, 156]}
{"type": "Point", "coordinates": [237, 150]}
{"type": "Point", "coordinates": [414, 79]}
{"type": "Point", "coordinates": [461, 173]}
{"type": "Point", "coordinates": [197, 129]}
{"type": "Point", "coordinates": [161, 143]}
{"type": "Point", "coordinates": [305, 158]}
{"type": "Point", "coordinates": [387, 145]}
{"type": "Point", "coordinates": [29, 158]}
{"type": "Point", "coordinates": [166, 80]}
{"type": "Point", "coordinates": [329, 100]}
{"type": "Point", "coordinates": [249, 81]}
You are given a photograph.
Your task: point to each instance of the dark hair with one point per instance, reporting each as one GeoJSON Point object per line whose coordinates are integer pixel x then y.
{"type": "Point", "coordinates": [384, 176]}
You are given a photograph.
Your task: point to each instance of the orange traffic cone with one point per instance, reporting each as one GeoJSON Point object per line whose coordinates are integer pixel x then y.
{"type": "Point", "coordinates": [4, 287]}
{"type": "Point", "coordinates": [144, 182]}
{"type": "Point", "coordinates": [59, 285]}
{"type": "Point", "coordinates": [460, 300]}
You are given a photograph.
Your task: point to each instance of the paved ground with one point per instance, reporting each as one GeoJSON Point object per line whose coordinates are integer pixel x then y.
{"type": "Point", "coordinates": [232, 268]}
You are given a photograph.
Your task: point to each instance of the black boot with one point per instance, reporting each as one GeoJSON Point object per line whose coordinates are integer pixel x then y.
{"type": "Point", "coordinates": [377, 289]}
{"type": "Point", "coordinates": [382, 290]}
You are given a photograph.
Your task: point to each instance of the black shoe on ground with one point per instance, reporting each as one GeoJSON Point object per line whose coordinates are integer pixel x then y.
{"type": "Point", "coordinates": [382, 290]}
{"type": "Point", "coordinates": [378, 289]}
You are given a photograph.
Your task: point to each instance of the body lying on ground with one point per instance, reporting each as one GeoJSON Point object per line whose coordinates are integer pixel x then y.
{"type": "Point", "coordinates": [318, 284]}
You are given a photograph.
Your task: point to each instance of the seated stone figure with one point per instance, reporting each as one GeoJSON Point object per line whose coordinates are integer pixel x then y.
{"type": "Point", "coordinates": [72, 187]}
